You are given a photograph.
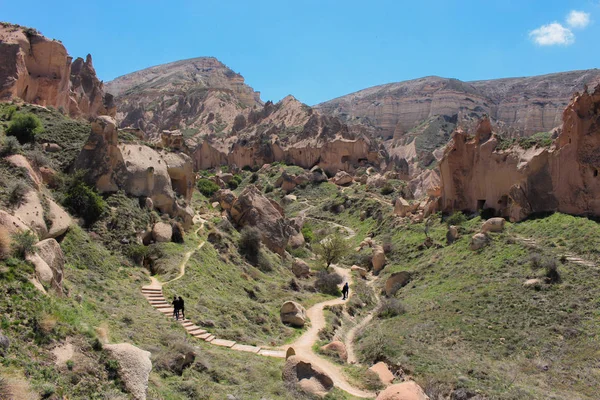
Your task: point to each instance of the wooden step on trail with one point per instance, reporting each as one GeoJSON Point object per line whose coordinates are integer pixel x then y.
{"type": "Point", "coordinates": [272, 353]}
{"type": "Point", "coordinates": [223, 343]}
{"type": "Point", "coordinates": [246, 348]}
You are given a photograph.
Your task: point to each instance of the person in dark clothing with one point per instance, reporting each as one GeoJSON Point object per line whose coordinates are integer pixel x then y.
{"type": "Point", "coordinates": [345, 290]}
{"type": "Point", "coordinates": [182, 307]}
{"type": "Point", "coordinates": [176, 308]}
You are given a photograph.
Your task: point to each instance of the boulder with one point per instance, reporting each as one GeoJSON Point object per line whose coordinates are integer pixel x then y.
{"type": "Point", "coordinates": [478, 241]}
{"type": "Point", "coordinates": [493, 225]}
{"type": "Point", "coordinates": [252, 208]}
{"type": "Point", "coordinates": [12, 224]}
{"type": "Point", "coordinates": [51, 147]}
{"type": "Point", "coordinates": [338, 348]}
{"type": "Point", "coordinates": [286, 182]}
{"type": "Point", "coordinates": [342, 178]}
{"type": "Point", "coordinates": [134, 367]}
{"type": "Point", "coordinates": [22, 163]}
{"type": "Point", "coordinates": [378, 260]}
{"type": "Point", "coordinates": [403, 391]}
{"type": "Point", "coordinates": [288, 199]}
{"type": "Point", "coordinates": [49, 250]}
{"type": "Point", "coordinates": [31, 213]}
{"type": "Point", "coordinates": [401, 207]}
{"type": "Point", "coordinates": [162, 232]}
{"type": "Point", "coordinates": [60, 221]}
{"type": "Point", "coordinates": [535, 282]}
{"type": "Point", "coordinates": [305, 375]}
{"type": "Point", "coordinates": [4, 344]}
{"type": "Point", "coordinates": [317, 175]}
{"type": "Point", "coordinates": [149, 204]}
{"type": "Point", "coordinates": [293, 314]}
{"type": "Point", "coordinates": [361, 271]}
{"type": "Point", "coordinates": [396, 281]}
{"type": "Point", "coordinates": [225, 177]}
{"type": "Point", "coordinates": [452, 234]}
{"type": "Point", "coordinates": [376, 181]}
{"type": "Point", "coordinates": [49, 177]}
{"type": "Point", "coordinates": [296, 240]}
{"type": "Point", "coordinates": [43, 272]}
{"type": "Point", "coordinates": [383, 372]}
{"type": "Point", "coordinates": [300, 268]}
{"type": "Point", "coordinates": [226, 198]}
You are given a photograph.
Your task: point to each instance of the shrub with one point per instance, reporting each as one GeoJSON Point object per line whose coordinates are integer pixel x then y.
{"type": "Point", "coordinates": [4, 243]}
{"type": "Point", "coordinates": [254, 177]}
{"type": "Point", "coordinates": [235, 182]}
{"type": "Point", "coordinates": [264, 264]}
{"type": "Point", "coordinates": [85, 202]}
{"type": "Point", "coordinates": [17, 192]}
{"type": "Point", "coordinates": [249, 244]}
{"type": "Point", "coordinates": [387, 244]}
{"type": "Point", "coordinates": [328, 283]}
{"type": "Point", "coordinates": [207, 187]}
{"type": "Point", "coordinates": [487, 213]}
{"type": "Point", "coordinates": [269, 188]}
{"type": "Point", "coordinates": [308, 233]}
{"type": "Point", "coordinates": [10, 146]}
{"type": "Point", "coordinates": [458, 218]}
{"type": "Point", "coordinates": [24, 127]}
{"type": "Point", "coordinates": [552, 274]}
{"type": "Point", "coordinates": [390, 308]}
{"type": "Point", "coordinates": [137, 253]}
{"type": "Point", "coordinates": [387, 189]}
{"type": "Point", "coordinates": [38, 158]}
{"type": "Point", "coordinates": [22, 243]}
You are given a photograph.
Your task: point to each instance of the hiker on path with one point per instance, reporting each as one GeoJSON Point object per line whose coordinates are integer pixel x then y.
{"type": "Point", "coordinates": [345, 291]}
{"type": "Point", "coordinates": [176, 307]}
{"type": "Point", "coordinates": [182, 307]}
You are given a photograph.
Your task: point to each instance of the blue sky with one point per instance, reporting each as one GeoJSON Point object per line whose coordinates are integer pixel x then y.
{"type": "Point", "coordinates": [318, 50]}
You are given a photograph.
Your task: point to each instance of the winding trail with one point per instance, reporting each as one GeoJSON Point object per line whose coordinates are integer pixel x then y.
{"type": "Point", "coordinates": [302, 346]}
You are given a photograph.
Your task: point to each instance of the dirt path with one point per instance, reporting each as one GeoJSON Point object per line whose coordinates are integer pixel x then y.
{"type": "Point", "coordinates": [303, 346]}
{"type": "Point", "coordinates": [574, 258]}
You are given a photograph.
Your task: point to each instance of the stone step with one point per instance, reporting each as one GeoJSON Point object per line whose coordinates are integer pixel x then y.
{"type": "Point", "coordinates": [158, 301]}
{"type": "Point", "coordinates": [210, 338]}
{"type": "Point", "coordinates": [223, 343]}
{"type": "Point", "coordinates": [203, 336]}
{"type": "Point", "coordinates": [187, 323]}
{"type": "Point", "coordinates": [151, 290]}
{"type": "Point", "coordinates": [196, 331]}
{"type": "Point", "coordinates": [246, 348]}
{"type": "Point", "coordinates": [272, 353]}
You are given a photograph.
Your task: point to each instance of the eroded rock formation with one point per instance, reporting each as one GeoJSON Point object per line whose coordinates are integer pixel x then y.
{"type": "Point", "coordinates": [138, 170]}
{"type": "Point", "coordinates": [476, 173]}
{"type": "Point", "coordinates": [40, 71]}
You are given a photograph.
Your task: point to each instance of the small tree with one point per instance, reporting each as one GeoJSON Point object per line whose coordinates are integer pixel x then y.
{"type": "Point", "coordinates": [22, 243]}
{"type": "Point", "coordinates": [332, 249]}
{"type": "Point", "coordinates": [207, 187]}
{"type": "Point", "coordinates": [85, 202]}
{"type": "Point", "coordinates": [24, 127]}
{"type": "Point", "coordinates": [249, 243]}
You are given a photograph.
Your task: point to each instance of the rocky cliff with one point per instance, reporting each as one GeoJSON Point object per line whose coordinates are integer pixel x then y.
{"type": "Point", "coordinates": [40, 71]}
{"type": "Point", "coordinates": [198, 96]}
{"type": "Point", "coordinates": [477, 172]}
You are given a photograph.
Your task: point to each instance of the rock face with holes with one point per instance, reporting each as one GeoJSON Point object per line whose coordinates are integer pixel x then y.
{"type": "Point", "coordinates": [403, 391]}
{"type": "Point", "coordinates": [40, 71]}
{"type": "Point", "coordinates": [138, 170]}
{"type": "Point", "coordinates": [134, 367]}
{"type": "Point", "coordinates": [396, 281]}
{"type": "Point", "coordinates": [476, 172]}
{"type": "Point", "coordinates": [306, 376]}
{"type": "Point", "coordinates": [293, 313]}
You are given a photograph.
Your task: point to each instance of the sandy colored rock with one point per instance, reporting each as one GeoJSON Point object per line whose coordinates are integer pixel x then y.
{"type": "Point", "coordinates": [51, 147]}
{"type": "Point", "coordinates": [293, 313]}
{"type": "Point", "coordinates": [12, 224]}
{"type": "Point", "coordinates": [162, 232]}
{"type": "Point", "coordinates": [307, 376]}
{"type": "Point", "coordinates": [376, 181]}
{"type": "Point", "coordinates": [226, 198]}
{"type": "Point", "coordinates": [49, 177]}
{"type": "Point", "coordinates": [342, 178]}
{"type": "Point", "coordinates": [252, 208]}
{"type": "Point", "coordinates": [403, 391]}
{"type": "Point", "coordinates": [451, 234]}
{"type": "Point", "coordinates": [20, 161]}
{"type": "Point", "coordinates": [300, 268]}
{"type": "Point", "coordinates": [289, 199]}
{"type": "Point", "coordinates": [49, 250]}
{"type": "Point", "coordinates": [43, 271]}
{"type": "Point", "coordinates": [532, 282]}
{"type": "Point", "coordinates": [338, 348]}
{"type": "Point", "coordinates": [31, 213]}
{"type": "Point", "coordinates": [401, 207]}
{"type": "Point", "coordinates": [296, 240]}
{"type": "Point", "coordinates": [378, 259]}
{"type": "Point", "coordinates": [493, 225]}
{"type": "Point", "coordinates": [478, 241]}
{"type": "Point", "coordinates": [39, 71]}
{"type": "Point", "coordinates": [517, 182]}
{"type": "Point", "coordinates": [134, 367]}
{"type": "Point", "coordinates": [60, 220]}
{"type": "Point", "coordinates": [383, 372]}
{"type": "Point", "coordinates": [396, 281]}
{"type": "Point", "coordinates": [361, 271]}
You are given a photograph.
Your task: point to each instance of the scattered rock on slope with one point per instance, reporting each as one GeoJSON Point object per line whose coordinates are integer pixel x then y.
{"type": "Point", "coordinates": [134, 367]}
{"type": "Point", "coordinates": [403, 391]}
{"type": "Point", "coordinates": [308, 377]}
{"type": "Point", "coordinates": [293, 313]}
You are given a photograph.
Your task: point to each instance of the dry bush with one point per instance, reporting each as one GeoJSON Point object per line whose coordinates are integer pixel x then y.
{"type": "Point", "coordinates": [4, 243]}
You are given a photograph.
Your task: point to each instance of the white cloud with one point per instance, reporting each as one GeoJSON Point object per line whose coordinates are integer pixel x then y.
{"type": "Point", "coordinates": [578, 19]}
{"type": "Point", "coordinates": [552, 34]}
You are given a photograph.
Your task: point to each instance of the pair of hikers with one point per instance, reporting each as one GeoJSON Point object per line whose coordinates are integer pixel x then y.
{"type": "Point", "coordinates": [178, 307]}
{"type": "Point", "coordinates": [345, 290]}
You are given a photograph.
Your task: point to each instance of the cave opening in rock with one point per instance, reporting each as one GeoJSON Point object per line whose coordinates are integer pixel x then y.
{"type": "Point", "coordinates": [503, 202]}
{"type": "Point", "coordinates": [595, 173]}
{"type": "Point", "coordinates": [480, 204]}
